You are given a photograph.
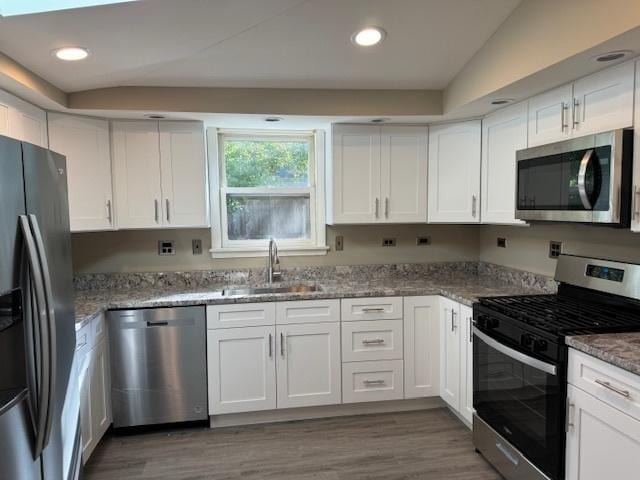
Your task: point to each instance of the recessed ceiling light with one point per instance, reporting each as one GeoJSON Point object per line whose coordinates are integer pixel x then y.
{"type": "Point", "coordinates": [380, 120]}
{"type": "Point", "coordinates": [501, 101]}
{"type": "Point", "coordinates": [154, 116]}
{"type": "Point", "coordinates": [611, 56]}
{"type": "Point", "coordinates": [273, 119]}
{"type": "Point", "coordinates": [369, 36]}
{"type": "Point", "coordinates": [71, 54]}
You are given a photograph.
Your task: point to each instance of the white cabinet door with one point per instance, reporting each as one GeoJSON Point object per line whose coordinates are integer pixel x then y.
{"type": "Point", "coordinates": [4, 115]}
{"type": "Point", "coordinates": [466, 368]}
{"type": "Point", "coordinates": [450, 358]}
{"type": "Point", "coordinates": [403, 174]}
{"type": "Point", "coordinates": [136, 166]}
{"type": "Point", "coordinates": [503, 133]}
{"type": "Point", "coordinates": [184, 174]}
{"type": "Point", "coordinates": [602, 442]}
{"type": "Point", "coordinates": [85, 143]}
{"type": "Point", "coordinates": [86, 423]}
{"type": "Point", "coordinates": [454, 172]}
{"type": "Point", "coordinates": [100, 392]}
{"type": "Point", "coordinates": [550, 116]}
{"type": "Point", "coordinates": [421, 347]}
{"type": "Point", "coordinates": [242, 369]}
{"type": "Point", "coordinates": [356, 174]}
{"type": "Point", "coordinates": [22, 120]}
{"type": "Point", "coordinates": [308, 365]}
{"type": "Point", "coordinates": [635, 213]}
{"type": "Point", "coordinates": [604, 101]}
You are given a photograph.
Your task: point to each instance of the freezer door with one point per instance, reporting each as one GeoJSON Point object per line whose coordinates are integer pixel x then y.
{"type": "Point", "coordinates": [45, 179]}
{"type": "Point", "coordinates": [16, 440]}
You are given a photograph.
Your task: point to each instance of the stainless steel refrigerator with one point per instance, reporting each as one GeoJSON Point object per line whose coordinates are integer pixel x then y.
{"type": "Point", "coordinates": [39, 399]}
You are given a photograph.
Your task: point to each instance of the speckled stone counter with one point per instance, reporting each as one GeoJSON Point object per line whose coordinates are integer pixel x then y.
{"type": "Point", "coordinates": [619, 349]}
{"type": "Point", "coordinates": [464, 283]}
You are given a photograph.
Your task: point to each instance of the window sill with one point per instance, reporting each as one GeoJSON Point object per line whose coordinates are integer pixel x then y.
{"type": "Point", "coordinates": [234, 252]}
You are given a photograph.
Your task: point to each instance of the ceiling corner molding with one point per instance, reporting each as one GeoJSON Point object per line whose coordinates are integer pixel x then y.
{"type": "Point", "coordinates": [281, 101]}
{"type": "Point", "coordinates": [23, 83]}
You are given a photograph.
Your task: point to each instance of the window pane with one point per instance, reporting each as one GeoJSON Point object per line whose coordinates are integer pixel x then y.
{"type": "Point", "coordinates": [254, 217]}
{"type": "Point", "coordinates": [266, 163]}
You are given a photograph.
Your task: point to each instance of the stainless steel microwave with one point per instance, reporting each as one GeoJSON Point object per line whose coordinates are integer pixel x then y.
{"type": "Point", "coordinates": [585, 179]}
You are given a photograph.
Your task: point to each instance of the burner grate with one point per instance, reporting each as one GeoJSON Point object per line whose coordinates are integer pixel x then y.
{"type": "Point", "coordinates": [565, 315]}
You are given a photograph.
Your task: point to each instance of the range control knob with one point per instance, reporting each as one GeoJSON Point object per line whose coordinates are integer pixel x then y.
{"type": "Point", "coordinates": [540, 345]}
{"type": "Point", "coordinates": [526, 340]}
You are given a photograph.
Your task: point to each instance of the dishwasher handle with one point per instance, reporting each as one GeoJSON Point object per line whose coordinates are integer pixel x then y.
{"type": "Point", "coordinates": [157, 324]}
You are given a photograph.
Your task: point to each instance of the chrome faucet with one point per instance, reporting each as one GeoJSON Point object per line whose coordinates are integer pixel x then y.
{"type": "Point", "coordinates": [274, 262]}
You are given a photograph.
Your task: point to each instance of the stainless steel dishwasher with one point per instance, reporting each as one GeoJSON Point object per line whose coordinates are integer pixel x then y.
{"type": "Point", "coordinates": [158, 365]}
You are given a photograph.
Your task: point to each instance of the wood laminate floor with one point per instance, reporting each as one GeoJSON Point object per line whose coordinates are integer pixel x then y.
{"type": "Point", "coordinates": [429, 445]}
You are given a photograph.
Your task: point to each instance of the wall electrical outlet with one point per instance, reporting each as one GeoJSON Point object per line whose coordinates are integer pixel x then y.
{"type": "Point", "coordinates": [339, 246]}
{"type": "Point", "coordinates": [196, 246]}
{"type": "Point", "coordinates": [423, 241]}
{"type": "Point", "coordinates": [166, 247]}
{"type": "Point", "coordinates": [388, 242]}
{"type": "Point", "coordinates": [555, 249]}
{"type": "Point", "coordinates": [501, 242]}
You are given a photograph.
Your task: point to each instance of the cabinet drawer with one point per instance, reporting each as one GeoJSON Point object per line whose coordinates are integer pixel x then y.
{"type": "Point", "coordinates": [98, 329]}
{"type": "Point", "coordinates": [308, 311]}
{"type": "Point", "coordinates": [372, 308]}
{"type": "Point", "coordinates": [372, 381]}
{"type": "Point", "coordinates": [372, 340]}
{"type": "Point", "coordinates": [84, 338]}
{"type": "Point", "coordinates": [241, 315]}
{"type": "Point", "coordinates": [608, 383]}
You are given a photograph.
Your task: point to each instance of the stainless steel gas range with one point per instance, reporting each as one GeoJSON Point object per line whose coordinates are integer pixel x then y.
{"type": "Point", "coordinates": [520, 361]}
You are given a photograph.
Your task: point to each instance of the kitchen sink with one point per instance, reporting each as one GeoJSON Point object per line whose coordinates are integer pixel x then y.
{"type": "Point", "coordinates": [302, 288]}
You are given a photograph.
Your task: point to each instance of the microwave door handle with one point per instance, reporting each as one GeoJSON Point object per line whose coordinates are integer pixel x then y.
{"type": "Point", "coordinates": [514, 354]}
{"type": "Point", "coordinates": [582, 178]}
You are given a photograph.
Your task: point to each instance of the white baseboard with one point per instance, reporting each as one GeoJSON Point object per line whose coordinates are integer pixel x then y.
{"type": "Point", "coordinates": [306, 413]}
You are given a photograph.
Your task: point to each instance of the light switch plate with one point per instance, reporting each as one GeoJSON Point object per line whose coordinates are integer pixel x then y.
{"type": "Point", "coordinates": [339, 243]}
{"type": "Point", "coordinates": [196, 246]}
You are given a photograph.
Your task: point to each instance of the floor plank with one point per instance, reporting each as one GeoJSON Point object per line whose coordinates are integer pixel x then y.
{"type": "Point", "coordinates": [425, 445]}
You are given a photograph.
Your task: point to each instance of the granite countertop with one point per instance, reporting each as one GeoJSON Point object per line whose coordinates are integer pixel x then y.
{"type": "Point", "coordinates": [463, 287]}
{"type": "Point", "coordinates": [619, 349]}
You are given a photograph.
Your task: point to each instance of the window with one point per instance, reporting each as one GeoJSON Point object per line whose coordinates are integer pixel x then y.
{"type": "Point", "coordinates": [267, 186]}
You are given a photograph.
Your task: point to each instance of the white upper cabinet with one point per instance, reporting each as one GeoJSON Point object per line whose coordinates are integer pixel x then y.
{"type": "Point", "coordinates": [22, 121]}
{"type": "Point", "coordinates": [604, 101]}
{"type": "Point", "coordinates": [550, 116]}
{"type": "Point", "coordinates": [403, 152]}
{"type": "Point", "coordinates": [184, 174]}
{"type": "Point", "coordinates": [503, 133]}
{"type": "Point", "coordinates": [635, 213]}
{"type": "Point", "coordinates": [136, 167]}
{"type": "Point", "coordinates": [597, 103]}
{"type": "Point", "coordinates": [378, 174]}
{"type": "Point", "coordinates": [454, 172]}
{"type": "Point", "coordinates": [85, 143]}
{"type": "Point", "coordinates": [356, 174]}
{"type": "Point", "coordinates": [159, 174]}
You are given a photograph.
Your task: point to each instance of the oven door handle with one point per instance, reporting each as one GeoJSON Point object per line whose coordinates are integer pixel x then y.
{"type": "Point", "coordinates": [516, 355]}
{"type": "Point", "coordinates": [582, 179]}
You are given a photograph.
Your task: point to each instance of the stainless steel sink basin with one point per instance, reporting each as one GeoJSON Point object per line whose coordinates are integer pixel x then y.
{"type": "Point", "coordinates": [266, 290]}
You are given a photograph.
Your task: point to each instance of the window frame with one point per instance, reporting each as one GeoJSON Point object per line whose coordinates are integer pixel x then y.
{"type": "Point", "coordinates": [222, 246]}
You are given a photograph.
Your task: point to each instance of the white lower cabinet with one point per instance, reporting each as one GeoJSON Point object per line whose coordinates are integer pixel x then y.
{"type": "Point", "coordinates": [421, 347]}
{"type": "Point", "coordinates": [241, 369]}
{"type": "Point", "coordinates": [602, 442]}
{"type": "Point", "coordinates": [603, 420]}
{"type": "Point", "coordinates": [308, 365]}
{"type": "Point", "coordinates": [372, 381]}
{"type": "Point", "coordinates": [92, 352]}
{"type": "Point", "coordinates": [456, 357]}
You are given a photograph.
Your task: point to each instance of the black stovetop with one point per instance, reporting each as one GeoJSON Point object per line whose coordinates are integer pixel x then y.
{"type": "Point", "coordinates": [572, 311]}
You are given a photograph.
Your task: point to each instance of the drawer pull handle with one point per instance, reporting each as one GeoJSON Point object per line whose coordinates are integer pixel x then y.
{"type": "Point", "coordinates": [375, 341]}
{"type": "Point", "coordinates": [368, 383]}
{"type": "Point", "coordinates": [157, 324]}
{"type": "Point", "coordinates": [373, 309]}
{"type": "Point", "coordinates": [619, 391]}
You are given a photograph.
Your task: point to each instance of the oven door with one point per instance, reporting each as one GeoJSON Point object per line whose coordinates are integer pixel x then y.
{"type": "Point", "coordinates": [521, 398]}
{"type": "Point", "coordinates": [577, 180]}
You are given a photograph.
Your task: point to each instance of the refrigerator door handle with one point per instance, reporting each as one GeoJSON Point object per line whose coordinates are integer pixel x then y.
{"type": "Point", "coordinates": [42, 343]}
{"type": "Point", "coordinates": [50, 359]}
